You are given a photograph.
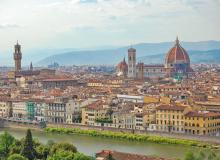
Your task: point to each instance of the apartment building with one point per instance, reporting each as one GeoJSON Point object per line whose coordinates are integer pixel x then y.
{"type": "Point", "coordinates": [170, 118]}
{"type": "Point", "coordinates": [56, 112]}
{"type": "Point", "coordinates": [5, 107]}
{"type": "Point", "coordinates": [202, 123]}
{"type": "Point", "coordinates": [19, 110]}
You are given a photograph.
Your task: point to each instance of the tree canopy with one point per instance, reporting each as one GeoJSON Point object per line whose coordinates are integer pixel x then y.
{"type": "Point", "coordinates": [63, 147]}
{"type": "Point", "coordinates": [16, 157]}
{"type": "Point", "coordinates": [28, 148]}
{"type": "Point", "coordinates": [6, 141]}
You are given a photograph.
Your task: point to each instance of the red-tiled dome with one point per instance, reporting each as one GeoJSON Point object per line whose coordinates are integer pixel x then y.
{"type": "Point", "coordinates": [177, 54]}
{"type": "Point", "coordinates": [122, 66]}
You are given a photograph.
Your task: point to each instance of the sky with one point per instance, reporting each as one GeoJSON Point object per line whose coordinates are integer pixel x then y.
{"type": "Point", "coordinates": [92, 23]}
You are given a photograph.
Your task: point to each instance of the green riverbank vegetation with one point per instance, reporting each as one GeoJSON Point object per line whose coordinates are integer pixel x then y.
{"type": "Point", "coordinates": [202, 155]}
{"type": "Point", "coordinates": [130, 136]}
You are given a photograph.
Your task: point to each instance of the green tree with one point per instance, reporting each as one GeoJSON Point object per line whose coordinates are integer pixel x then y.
{"type": "Point", "coordinates": [190, 156]}
{"type": "Point", "coordinates": [62, 147]}
{"type": "Point", "coordinates": [28, 150]}
{"type": "Point", "coordinates": [68, 155]}
{"type": "Point", "coordinates": [201, 156]}
{"type": "Point", "coordinates": [6, 141]}
{"type": "Point", "coordinates": [62, 155]}
{"type": "Point", "coordinates": [42, 151]}
{"type": "Point", "coordinates": [212, 156]}
{"type": "Point", "coordinates": [16, 147]}
{"type": "Point", "coordinates": [16, 157]}
{"type": "Point", "coordinates": [80, 156]}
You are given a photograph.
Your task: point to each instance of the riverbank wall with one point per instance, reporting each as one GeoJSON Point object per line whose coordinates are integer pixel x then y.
{"type": "Point", "coordinates": [18, 125]}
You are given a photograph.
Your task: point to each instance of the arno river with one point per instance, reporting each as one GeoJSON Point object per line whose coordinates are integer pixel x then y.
{"type": "Point", "coordinates": [90, 145]}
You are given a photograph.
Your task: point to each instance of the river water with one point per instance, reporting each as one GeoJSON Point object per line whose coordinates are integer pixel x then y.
{"type": "Point", "coordinates": [91, 145]}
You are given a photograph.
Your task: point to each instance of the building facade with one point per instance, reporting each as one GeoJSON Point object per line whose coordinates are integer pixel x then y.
{"type": "Point", "coordinates": [5, 108]}
{"type": "Point", "coordinates": [56, 112]}
{"type": "Point", "coordinates": [170, 118]}
{"type": "Point", "coordinates": [19, 110]}
{"type": "Point", "coordinates": [202, 123]}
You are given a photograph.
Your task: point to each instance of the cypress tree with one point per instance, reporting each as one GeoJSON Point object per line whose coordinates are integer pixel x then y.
{"type": "Point", "coordinates": [28, 150]}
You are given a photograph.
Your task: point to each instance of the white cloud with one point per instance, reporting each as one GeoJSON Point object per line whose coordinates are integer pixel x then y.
{"type": "Point", "coordinates": [68, 23]}
{"type": "Point", "coordinates": [8, 26]}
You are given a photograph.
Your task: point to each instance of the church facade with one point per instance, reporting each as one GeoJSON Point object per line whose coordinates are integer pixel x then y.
{"type": "Point", "coordinates": [177, 65]}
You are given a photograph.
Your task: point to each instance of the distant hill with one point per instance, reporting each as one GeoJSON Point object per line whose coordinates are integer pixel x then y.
{"type": "Point", "coordinates": [148, 52]}
{"type": "Point", "coordinates": [211, 56]}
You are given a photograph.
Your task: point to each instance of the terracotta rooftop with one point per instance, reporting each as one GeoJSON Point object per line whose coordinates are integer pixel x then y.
{"type": "Point", "coordinates": [105, 154]}
{"type": "Point", "coordinates": [96, 105]}
{"type": "Point", "coordinates": [171, 107]}
{"type": "Point", "coordinates": [205, 114]}
{"type": "Point", "coordinates": [58, 79]}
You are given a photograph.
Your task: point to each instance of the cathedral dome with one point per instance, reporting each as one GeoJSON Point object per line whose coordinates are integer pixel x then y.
{"type": "Point", "coordinates": [122, 67]}
{"type": "Point", "coordinates": [176, 55]}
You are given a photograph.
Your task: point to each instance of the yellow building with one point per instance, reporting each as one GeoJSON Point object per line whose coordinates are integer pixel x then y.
{"type": "Point", "coordinates": [4, 109]}
{"type": "Point", "coordinates": [94, 112]}
{"type": "Point", "coordinates": [149, 99]}
{"type": "Point", "coordinates": [170, 118]}
{"type": "Point", "coordinates": [165, 100]}
{"type": "Point", "coordinates": [11, 75]}
{"type": "Point", "coordinates": [95, 83]}
{"type": "Point", "coordinates": [202, 123]}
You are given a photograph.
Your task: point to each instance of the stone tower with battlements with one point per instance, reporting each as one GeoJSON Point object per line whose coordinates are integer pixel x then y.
{"type": "Point", "coordinates": [17, 57]}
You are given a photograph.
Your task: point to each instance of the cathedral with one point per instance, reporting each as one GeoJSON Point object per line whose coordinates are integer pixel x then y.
{"type": "Point", "coordinates": [122, 68]}
{"type": "Point", "coordinates": [177, 65]}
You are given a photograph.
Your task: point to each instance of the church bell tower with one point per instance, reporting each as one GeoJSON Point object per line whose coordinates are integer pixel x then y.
{"type": "Point", "coordinates": [17, 57]}
{"type": "Point", "coordinates": [131, 63]}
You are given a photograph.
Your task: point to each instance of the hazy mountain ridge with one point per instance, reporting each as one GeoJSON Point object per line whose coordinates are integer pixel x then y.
{"type": "Point", "coordinates": [211, 56]}
{"type": "Point", "coordinates": [155, 51]}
